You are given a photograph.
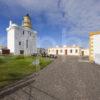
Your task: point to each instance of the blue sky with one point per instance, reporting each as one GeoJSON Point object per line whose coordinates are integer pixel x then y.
{"type": "Point", "coordinates": [58, 22]}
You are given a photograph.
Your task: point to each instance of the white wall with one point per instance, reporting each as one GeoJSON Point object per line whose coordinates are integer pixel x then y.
{"type": "Point", "coordinates": [10, 39]}
{"type": "Point", "coordinates": [20, 37]}
{"type": "Point", "coordinates": [61, 51]}
{"type": "Point", "coordinates": [74, 53]}
{"type": "Point", "coordinates": [97, 48]}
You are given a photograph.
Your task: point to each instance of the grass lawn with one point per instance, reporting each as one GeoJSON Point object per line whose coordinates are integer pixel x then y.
{"type": "Point", "coordinates": [13, 68]}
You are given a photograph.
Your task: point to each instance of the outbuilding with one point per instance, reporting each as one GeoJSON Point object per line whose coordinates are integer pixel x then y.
{"type": "Point", "coordinates": [69, 50]}
{"type": "Point", "coordinates": [94, 44]}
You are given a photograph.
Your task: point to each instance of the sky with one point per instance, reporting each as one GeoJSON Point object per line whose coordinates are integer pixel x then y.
{"type": "Point", "coordinates": [57, 22]}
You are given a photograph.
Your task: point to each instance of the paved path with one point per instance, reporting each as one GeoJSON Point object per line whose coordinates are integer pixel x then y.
{"type": "Point", "coordinates": [65, 79]}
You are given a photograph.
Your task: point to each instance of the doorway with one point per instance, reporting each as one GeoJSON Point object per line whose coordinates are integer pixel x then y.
{"type": "Point", "coordinates": [21, 52]}
{"type": "Point", "coordinates": [56, 52]}
{"type": "Point", "coordinates": [65, 52]}
{"type": "Point", "coordinates": [82, 53]}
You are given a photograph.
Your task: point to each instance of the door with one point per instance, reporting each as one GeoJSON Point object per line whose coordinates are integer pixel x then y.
{"type": "Point", "coordinates": [65, 52]}
{"type": "Point", "coordinates": [56, 52]}
{"type": "Point", "coordinates": [21, 51]}
{"type": "Point", "coordinates": [82, 53]}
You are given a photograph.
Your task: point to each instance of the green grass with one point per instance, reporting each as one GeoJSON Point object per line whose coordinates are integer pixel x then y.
{"type": "Point", "coordinates": [14, 68]}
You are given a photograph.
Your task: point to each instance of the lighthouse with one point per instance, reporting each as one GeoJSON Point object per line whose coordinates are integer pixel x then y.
{"type": "Point", "coordinates": [21, 40]}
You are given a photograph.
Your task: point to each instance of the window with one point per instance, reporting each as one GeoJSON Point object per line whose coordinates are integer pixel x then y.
{"type": "Point", "coordinates": [30, 34]}
{"type": "Point", "coordinates": [23, 32]}
{"type": "Point", "coordinates": [26, 43]}
{"type": "Point", "coordinates": [70, 51]}
{"type": "Point", "coordinates": [19, 43]}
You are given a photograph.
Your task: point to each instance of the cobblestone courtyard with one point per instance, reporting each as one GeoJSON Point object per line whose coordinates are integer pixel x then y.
{"type": "Point", "coordinates": [67, 78]}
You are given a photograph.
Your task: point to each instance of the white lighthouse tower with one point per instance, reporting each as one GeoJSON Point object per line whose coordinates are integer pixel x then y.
{"type": "Point", "coordinates": [21, 39]}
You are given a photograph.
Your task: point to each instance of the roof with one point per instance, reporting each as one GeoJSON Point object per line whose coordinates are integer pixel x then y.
{"type": "Point", "coordinates": [94, 33]}
{"type": "Point", "coordinates": [72, 46]}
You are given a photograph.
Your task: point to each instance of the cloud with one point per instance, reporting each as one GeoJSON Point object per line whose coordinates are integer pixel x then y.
{"type": "Point", "coordinates": [75, 16]}
{"type": "Point", "coordinates": [34, 5]}
{"type": "Point", "coordinates": [83, 14]}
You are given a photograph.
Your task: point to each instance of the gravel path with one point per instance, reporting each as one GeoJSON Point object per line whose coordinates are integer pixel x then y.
{"type": "Point", "coordinates": [65, 79]}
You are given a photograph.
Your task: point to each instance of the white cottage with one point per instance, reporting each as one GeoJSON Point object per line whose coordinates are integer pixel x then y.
{"type": "Point", "coordinates": [22, 39]}
{"type": "Point", "coordinates": [69, 50]}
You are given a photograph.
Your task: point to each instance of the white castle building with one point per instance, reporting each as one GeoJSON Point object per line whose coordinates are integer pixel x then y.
{"type": "Point", "coordinates": [69, 50]}
{"type": "Point", "coordinates": [22, 39]}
